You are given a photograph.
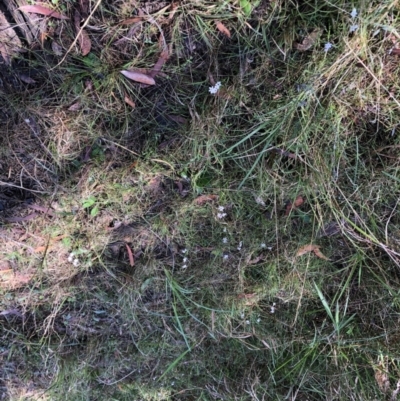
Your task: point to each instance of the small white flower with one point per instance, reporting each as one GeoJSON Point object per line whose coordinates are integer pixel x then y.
{"type": "Point", "coordinates": [353, 28]}
{"type": "Point", "coordinates": [240, 245]}
{"type": "Point", "coordinates": [185, 259]}
{"type": "Point", "coordinates": [260, 201]}
{"type": "Point", "coordinates": [242, 315]}
{"type": "Point", "coordinates": [214, 89]}
{"type": "Point", "coordinates": [221, 208]}
{"type": "Point", "coordinates": [184, 251]}
{"type": "Point", "coordinates": [263, 245]}
{"type": "Point", "coordinates": [273, 308]}
{"type": "Point", "coordinates": [225, 240]}
{"type": "Point", "coordinates": [327, 47]}
{"type": "Point", "coordinates": [184, 267]}
{"type": "Point", "coordinates": [353, 13]}
{"type": "Point", "coordinates": [247, 321]}
{"type": "Point", "coordinates": [76, 262]}
{"type": "Point", "coordinates": [224, 230]}
{"type": "Point", "coordinates": [221, 215]}
{"type": "Point", "coordinates": [71, 257]}
{"type": "Point", "coordinates": [226, 257]}
{"type": "Point", "coordinates": [258, 320]}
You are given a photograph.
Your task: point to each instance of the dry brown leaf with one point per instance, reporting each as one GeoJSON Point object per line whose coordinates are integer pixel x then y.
{"type": "Point", "coordinates": [159, 64]}
{"type": "Point", "coordinates": [130, 21]}
{"type": "Point", "coordinates": [297, 203]}
{"type": "Point", "coordinates": [138, 77]}
{"type": "Point", "coordinates": [247, 296]}
{"type": "Point", "coordinates": [84, 41]}
{"type": "Point", "coordinates": [26, 78]}
{"type": "Point", "coordinates": [222, 28]}
{"type": "Point", "coordinates": [129, 101]}
{"type": "Point", "coordinates": [38, 8]}
{"type": "Point", "coordinates": [311, 248]}
{"type": "Point", "coordinates": [75, 107]}
{"type": "Point", "coordinates": [203, 199]}
{"type": "Point", "coordinates": [319, 254]}
{"type": "Point", "coordinates": [309, 40]}
{"type": "Point", "coordinates": [256, 260]}
{"type": "Point", "coordinates": [47, 247]}
{"type": "Point", "coordinates": [130, 255]}
{"type": "Point", "coordinates": [14, 279]}
{"type": "Point", "coordinates": [177, 119]}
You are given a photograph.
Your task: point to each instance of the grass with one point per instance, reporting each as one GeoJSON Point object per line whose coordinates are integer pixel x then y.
{"type": "Point", "coordinates": [171, 269]}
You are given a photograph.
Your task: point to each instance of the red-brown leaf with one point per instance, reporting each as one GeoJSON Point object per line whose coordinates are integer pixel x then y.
{"type": "Point", "coordinates": [39, 9]}
{"type": "Point", "coordinates": [129, 101]}
{"type": "Point", "coordinates": [311, 248]}
{"type": "Point", "coordinates": [159, 64]}
{"type": "Point", "coordinates": [130, 255]}
{"type": "Point", "coordinates": [138, 77]}
{"type": "Point", "coordinates": [223, 29]}
{"type": "Point", "coordinates": [202, 199]}
{"type": "Point", "coordinates": [298, 202]}
{"type": "Point", "coordinates": [84, 41]}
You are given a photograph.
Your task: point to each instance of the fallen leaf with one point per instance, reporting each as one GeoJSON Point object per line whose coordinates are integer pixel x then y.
{"type": "Point", "coordinates": [57, 49]}
{"type": "Point", "coordinates": [138, 77]}
{"type": "Point", "coordinates": [84, 41]}
{"type": "Point", "coordinates": [75, 107]}
{"type": "Point", "coordinates": [39, 9]}
{"type": "Point", "coordinates": [290, 206]}
{"type": "Point", "coordinates": [130, 21]}
{"type": "Point", "coordinates": [27, 79]}
{"type": "Point", "coordinates": [47, 247]}
{"type": "Point", "coordinates": [203, 199]}
{"type": "Point", "coordinates": [177, 119]}
{"type": "Point", "coordinates": [130, 255]}
{"type": "Point", "coordinates": [222, 28]}
{"type": "Point", "coordinates": [130, 102]}
{"type": "Point", "coordinates": [311, 248]}
{"type": "Point", "coordinates": [256, 260]}
{"type": "Point", "coordinates": [159, 64]}
{"type": "Point", "coordinates": [246, 296]}
{"type": "Point", "coordinates": [309, 40]}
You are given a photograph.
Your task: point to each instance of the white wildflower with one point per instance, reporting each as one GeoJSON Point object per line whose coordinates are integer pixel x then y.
{"type": "Point", "coordinates": [260, 201]}
{"type": "Point", "coordinates": [242, 315]}
{"type": "Point", "coordinates": [184, 251]}
{"type": "Point", "coordinates": [71, 257]}
{"type": "Point", "coordinates": [226, 257]}
{"type": "Point", "coordinates": [258, 320]}
{"type": "Point", "coordinates": [272, 310]}
{"type": "Point", "coordinates": [353, 28]}
{"type": "Point", "coordinates": [185, 260]}
{"type": "Point", "coordinates": [76, 262]}
{"type": "Point", "coordinates": [184, 267]}
{"type": "Point", "coordinates": [247, 321]}
{"type": "Point", "coordinates": [327, 47]}
{"type": "Point", "coordinates": [240, 245]}
{"type": "Point", "coordinates": [221, 208]}
{"type": "Point", "coordinates": [214, 89]}
{"type": "Point", "coordinates": [354, 13]}
{"type": "Point", "coordinates": [225, 240]}
{"type": "Point", "coordinates": [263, 245]}
{"type": "Point", "coordinates": [221, 215]}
